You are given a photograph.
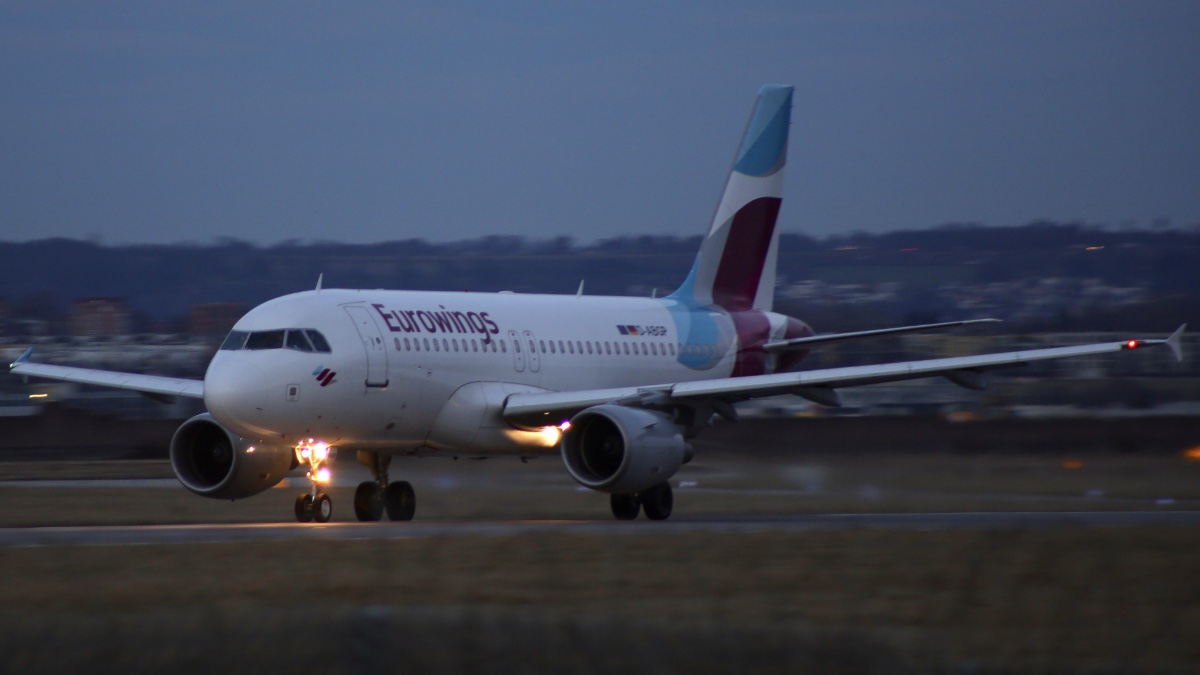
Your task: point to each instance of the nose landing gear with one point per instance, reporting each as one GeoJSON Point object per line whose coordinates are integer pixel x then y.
{"type": "Point", "coordinates": [315, 505]}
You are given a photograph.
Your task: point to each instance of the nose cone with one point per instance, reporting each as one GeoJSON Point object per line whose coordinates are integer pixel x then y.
{"type": "Point", "coordinates": [235, 393]}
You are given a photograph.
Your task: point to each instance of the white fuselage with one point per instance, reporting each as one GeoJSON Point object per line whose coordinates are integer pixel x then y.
{"type": "Point", "coordinates": [425, 372]}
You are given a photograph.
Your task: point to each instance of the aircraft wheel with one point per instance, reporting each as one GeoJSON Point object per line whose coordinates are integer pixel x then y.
{"type": "Point", "coordinates": [368, 501]}
{"type": "Point", "coordinates": [658, 501]}
{"type": "Point", "coordinates": [304, 508]}
{"type": "Point", "coordinates": [322, 508]}
{"type": "Point", "coordinates": [400, 501]}
{"type": "Point", "coordinates": [625, 506]}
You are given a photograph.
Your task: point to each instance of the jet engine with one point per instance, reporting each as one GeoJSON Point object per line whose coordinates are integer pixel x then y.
{"type": "Point", "coordinates": [212, 462]}
{"type": "Point", "coordinates": [615, 448]}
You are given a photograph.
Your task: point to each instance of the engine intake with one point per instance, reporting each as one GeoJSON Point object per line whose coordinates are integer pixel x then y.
{"type": "Point", "coordinates": [212, 462]}
{"type": "Point", "coordinates": [614, 448]}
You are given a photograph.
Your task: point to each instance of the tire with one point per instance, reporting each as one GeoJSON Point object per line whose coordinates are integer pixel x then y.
{"type": "Point", "coordinates": [658, 501]}
{"type": "Point", "coordinates": [400, 501]}
{"type": "Point", "coordinates": [304, 508]}
{"type": "Point", "coordinates": [625, 506]}
{"type": "Point", "coordinates": [368, 501]}
{"type": "Point", "coordinates": [322, 508]}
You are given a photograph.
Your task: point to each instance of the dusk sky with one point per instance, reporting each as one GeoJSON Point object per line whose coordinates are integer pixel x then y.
{"type": "Point", "coordinates": [132, 122]}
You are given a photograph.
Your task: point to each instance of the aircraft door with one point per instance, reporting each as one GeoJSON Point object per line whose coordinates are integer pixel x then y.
{"type": "Point", "coordinates": [518, 353]}
{"type": "Point", "coordinates": [372, 339]}
{"type": "Point", "coordinates": [535, 361]}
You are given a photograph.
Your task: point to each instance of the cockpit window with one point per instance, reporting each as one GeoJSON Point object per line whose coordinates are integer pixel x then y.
{"type": "Point", "coordinates": [236, 340]}
{"type": "Point", "coordinates": [297, 341]}
{"type": "Point", "coordinates": [300, 339]}
{"type": "Point", "coordinates": [318, 341]}
{"type": "Point", "coordinates": [267, 339]}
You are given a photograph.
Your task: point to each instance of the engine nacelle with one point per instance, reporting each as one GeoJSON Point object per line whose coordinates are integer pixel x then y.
{"type": "Point", "coordinates": [213, 462]}
{"type": "Point", "coordinates": [614, 448]}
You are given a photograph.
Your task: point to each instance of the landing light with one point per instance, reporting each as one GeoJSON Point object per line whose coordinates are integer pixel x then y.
{"type": "Point", "coordinates": [552, 435]}
{"type": "Point", "coordinates": [314, 452]}
{"type": "Point", "coordinates": [566, 424]}
{"type": "Point", "coordinates": [323, 475]}
{"type": "Point", "coordinates": [38, 395]}
{"type": "Point", "coordinates": [1132, 344]}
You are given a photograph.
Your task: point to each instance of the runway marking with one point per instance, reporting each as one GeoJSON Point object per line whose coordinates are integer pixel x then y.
{"type": "Point", "coordinates": [130, 535]}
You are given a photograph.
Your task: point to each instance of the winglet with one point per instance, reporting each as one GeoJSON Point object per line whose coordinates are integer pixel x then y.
{"type": "Point", "coordinates": [320, 278]}
{"type": "Point", "coordinates": [21, 359]}
{"type": "Point", "coordinates": [1175, 342]}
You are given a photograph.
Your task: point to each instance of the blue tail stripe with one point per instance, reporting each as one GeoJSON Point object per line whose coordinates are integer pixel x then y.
{"type": "Point", "coordinates": [765, 143]}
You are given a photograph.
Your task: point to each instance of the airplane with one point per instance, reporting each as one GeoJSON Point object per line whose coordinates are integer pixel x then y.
{"type": "Point", "coordinates": [617, 386]}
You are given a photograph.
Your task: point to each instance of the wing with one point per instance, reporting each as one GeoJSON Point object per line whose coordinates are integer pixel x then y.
{"type": "Point", "coordinates": [541, 409]}
{"type": "Point", "coordinates": [153, 386]}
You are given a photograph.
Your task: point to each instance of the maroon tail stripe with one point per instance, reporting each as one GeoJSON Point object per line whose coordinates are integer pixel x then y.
{"type": "Point", "coordinates": [745, 254]}
{"type": "Point", "coordinates": [328, 378]}
{"type": "Point", "coordinates": [322, 374]}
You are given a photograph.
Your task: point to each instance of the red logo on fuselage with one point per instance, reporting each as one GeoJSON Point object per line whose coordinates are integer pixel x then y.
{"type": "Point", "coordinates": [324, 375]}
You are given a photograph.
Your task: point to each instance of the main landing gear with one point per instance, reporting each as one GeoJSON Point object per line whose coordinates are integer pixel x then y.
{"type": "Point", "coordinates": [372, 498]}
{"type": "Point", "coordinates": [656, 501]}
{"type": "Point", "coordinates": [315, 504]}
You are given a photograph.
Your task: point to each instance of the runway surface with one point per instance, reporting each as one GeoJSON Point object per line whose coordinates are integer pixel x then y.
{"type": "Point", "coordinates": [132, 535]}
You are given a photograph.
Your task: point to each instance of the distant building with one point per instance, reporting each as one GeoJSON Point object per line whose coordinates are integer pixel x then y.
{"type": "Point", "coordinates": [100, 317]}
{"type": "Point", "coordinates": [215, 318]}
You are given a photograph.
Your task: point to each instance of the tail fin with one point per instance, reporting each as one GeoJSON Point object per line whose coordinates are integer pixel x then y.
{"type": "Point", "coordinates": [735, 268]}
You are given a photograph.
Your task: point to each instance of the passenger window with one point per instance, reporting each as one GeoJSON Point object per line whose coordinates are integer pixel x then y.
{"type": "Point", "coordinates": [318, 341]}
{"type": "Point", "coordinates": [589, 344]}
{"type": "Point", "coordinates": [297, 341]}
{"type": "Point", "coordinates": [427, 344]}
{"type": "Point", "coordinates": [607, 347]}
{"type": "Point", "coordinates": [397, 341]}
{"type": "Point", "coordinates": [542, 345]}
{"type": "Point", "coordinates": [236, 340]}
{"type": "Point", "coordinates": [625, 347]}
{"type": "Point", "coordinates": [455, 343]}
{"type": "Point", "coordinates": [267, 339]}
{"type": "Point", "coordinates": [503, 348]}
{"type": "Point", "coordinates": [406, 345]}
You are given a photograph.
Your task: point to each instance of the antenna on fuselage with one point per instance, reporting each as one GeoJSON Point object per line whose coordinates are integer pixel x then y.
{"type": "Point", "coordinates": [320, 278]}
{"type": "Point", "coordinates": [580, 291]}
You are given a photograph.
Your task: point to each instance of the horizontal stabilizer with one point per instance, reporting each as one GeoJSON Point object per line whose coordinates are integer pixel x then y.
{"type": "Point", "coordinates": [815, 340]}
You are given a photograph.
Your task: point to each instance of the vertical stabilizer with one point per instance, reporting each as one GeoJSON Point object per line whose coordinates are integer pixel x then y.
{"type": "Point", "coordinates": [735, 268]}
